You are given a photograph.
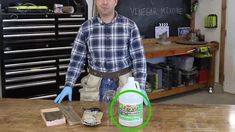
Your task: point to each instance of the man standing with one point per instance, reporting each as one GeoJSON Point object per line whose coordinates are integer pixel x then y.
{"type": "Point", "coordinates": [112, 45]}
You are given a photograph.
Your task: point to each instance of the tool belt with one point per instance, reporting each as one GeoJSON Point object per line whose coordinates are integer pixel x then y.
{"type": "Point", "coordinates": [113, 75]}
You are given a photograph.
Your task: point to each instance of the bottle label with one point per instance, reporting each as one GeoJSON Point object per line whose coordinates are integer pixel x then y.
{"type": "Point", "coordinates": [131, 113]}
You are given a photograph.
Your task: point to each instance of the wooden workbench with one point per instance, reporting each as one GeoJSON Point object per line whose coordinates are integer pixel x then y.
{"type": "Point", "coordinates": [153, 50]}
{"type": "Point", "coordinates": [24, 115]}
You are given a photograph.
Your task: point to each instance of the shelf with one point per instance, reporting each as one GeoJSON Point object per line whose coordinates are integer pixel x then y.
{"type": "Point", "coordinates": [154, 49]}
{"type": "Point", "coordinates": [174, 91]}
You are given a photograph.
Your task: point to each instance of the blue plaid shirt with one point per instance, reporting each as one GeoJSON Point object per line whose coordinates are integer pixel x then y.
{"type": "Point", "coordinates": [108, 48]}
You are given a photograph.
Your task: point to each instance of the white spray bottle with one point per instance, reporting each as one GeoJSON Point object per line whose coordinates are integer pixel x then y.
{"type": "Point", "coordinates": [131, 105]}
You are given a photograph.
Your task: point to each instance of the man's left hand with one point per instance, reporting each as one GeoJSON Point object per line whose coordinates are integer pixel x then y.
{"type": "Point", "coordinates": [145, 101]}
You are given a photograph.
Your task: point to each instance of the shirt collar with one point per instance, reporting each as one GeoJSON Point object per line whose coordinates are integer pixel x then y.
{"type": "Point", "coordinates": [114, 19]}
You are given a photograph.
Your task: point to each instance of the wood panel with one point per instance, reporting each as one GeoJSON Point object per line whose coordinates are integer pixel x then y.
{"type": "Point", "coordinates": [222, 41]}
{"type": "Point", "coordinates": [192, 24]}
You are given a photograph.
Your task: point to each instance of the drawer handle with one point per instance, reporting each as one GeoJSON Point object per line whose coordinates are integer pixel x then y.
{"type": "Point", "coordinates": [68, 26]}
{"type": "Point", "coordinates": [28, 35]}
{"type": "Point", "coordinates": [67, 33]}
{"type": "Point", "coordinates": [37, 50]}
{"type": "Point", "coordinates": [28, 78]}
{"type": "Point", "coordinates": [29, 64]}
{"type": "Point", "coordinates": [28, 27]}
{"type": "Point", "coordinates": [44, 97]}
{"type": "Point", "coordinates": [64, 73]}
{"type": "Point", "coordinates": [64, 60]}
{"type": "Point", "coordinates": [70, 19]}
{"type": "Point", "coordinates": [30, 84]}
{"type": "Point", "coordinates": [63, 66]}
{"type": "Point", "coordinates": [76, 15]}
{"type": "Point", "coordinates": [27, 20]}
{"type": "Point", "coordinates": [30, 71]}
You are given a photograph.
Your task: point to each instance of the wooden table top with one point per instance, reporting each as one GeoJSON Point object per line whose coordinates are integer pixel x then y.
{"type": "Point", "coordinates": [24, 115]}
{"type": "Point", "coordinates": [154, 49]}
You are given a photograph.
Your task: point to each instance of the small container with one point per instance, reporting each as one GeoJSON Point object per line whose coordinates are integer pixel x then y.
{"type": "Point", "coordinates": [176, 77]}
{"type": "Point", "coordinates": [167, 75]}
{"type": "Point", "coordinates": [154, 76]}
{"type": "Point", "coordinates": [189, 77]}
{"type": "Point", "coordinates": [203, 76]}
{"type": "Point", "coordinates": [107, 99]}
{"type": "Point", "coordinates": [201, 37]}
{"type": "Point", "coordinates": [68, 9]}
{"type": "Point", "coordinates": [58, 8]}
{"type": "Point", "coordinates": [194, 37]}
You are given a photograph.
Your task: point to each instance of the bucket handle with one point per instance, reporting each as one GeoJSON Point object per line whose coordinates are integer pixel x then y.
{"type": "Point", "coordinates": [142, 91]}
{"type": "Point", "coordinates": [137, 86]}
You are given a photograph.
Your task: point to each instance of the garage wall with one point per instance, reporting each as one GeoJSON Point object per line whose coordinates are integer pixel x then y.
{"type": "Point", "coordinates": [205, 8]}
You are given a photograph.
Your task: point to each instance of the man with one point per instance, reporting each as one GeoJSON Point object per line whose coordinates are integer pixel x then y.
{"type": "Point", "coordinates": [112, 45]}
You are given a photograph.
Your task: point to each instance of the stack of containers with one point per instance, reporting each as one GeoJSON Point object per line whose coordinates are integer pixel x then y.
{"type": "Point", "coordinates": [203, 65]}
{"type": "Point", "coordinates": [171, 72]}
{"type": "Point", "coordinates": [185, 64]}
{"type": "Point", "coordinates": [154, 73]}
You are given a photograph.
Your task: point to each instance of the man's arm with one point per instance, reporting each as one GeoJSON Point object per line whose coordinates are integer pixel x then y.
{"type": "Point", "coordinates": [78, 55]}
{"type": "Point", "coordinates": [138, 56]}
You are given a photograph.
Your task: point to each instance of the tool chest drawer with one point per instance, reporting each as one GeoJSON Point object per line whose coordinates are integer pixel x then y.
{"type": "Point", "coordinates": [36, 52]}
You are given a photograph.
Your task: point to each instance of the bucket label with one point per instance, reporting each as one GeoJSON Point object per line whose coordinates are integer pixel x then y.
{"type": "Point", "coordinates": [130, 113]}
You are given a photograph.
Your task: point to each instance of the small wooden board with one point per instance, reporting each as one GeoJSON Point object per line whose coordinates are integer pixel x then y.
{"type": "Point", "coordinates": [70, 115]}
{"type": "Point", "coordinates": [53, 116]}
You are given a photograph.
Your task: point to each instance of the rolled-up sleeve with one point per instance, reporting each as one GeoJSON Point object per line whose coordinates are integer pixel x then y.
{"type": "Point", "coordinates": [78, 55]}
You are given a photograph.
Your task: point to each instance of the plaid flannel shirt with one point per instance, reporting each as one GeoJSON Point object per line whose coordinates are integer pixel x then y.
{"type": "Point", "coordinates": [108, 47]}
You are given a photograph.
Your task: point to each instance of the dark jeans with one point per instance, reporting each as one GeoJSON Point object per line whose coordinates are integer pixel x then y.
{"type": "Point", "coordinates": [107, 84]}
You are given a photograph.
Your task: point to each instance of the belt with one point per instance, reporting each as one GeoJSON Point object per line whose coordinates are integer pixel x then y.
{"type": "Point", "coordinates": [113, 75]}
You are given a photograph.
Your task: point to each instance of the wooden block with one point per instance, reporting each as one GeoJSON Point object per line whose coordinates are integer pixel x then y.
{"type": "Point", "coordinates": [53, 116]}
{"type": "Point", "coordinates": [70, 115]}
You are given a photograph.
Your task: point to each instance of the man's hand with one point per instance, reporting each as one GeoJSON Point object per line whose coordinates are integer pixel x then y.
{"type": "Point", "coordinates": [66, 91]}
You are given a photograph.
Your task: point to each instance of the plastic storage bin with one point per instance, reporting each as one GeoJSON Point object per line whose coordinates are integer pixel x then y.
{"type": "Point", "coordinates": [176, 77]}
{"type": "Point", "coordinates": [156, 60]}
{"type": "Point", "coordinates": [189, 77]}
{"type": "Point", "coordinates": [202, 63]}
{"type": "Point", "coordinates": [184, 62]}
{"type": "Point", "coordinates": [154, 77]}
{"type": "Point", "coordinates": [203, 76]}
{"type": "Point", "coordinates": [167, 75]}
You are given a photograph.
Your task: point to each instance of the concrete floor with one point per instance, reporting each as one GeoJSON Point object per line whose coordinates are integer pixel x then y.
{"type": "Point", "coordinates": [200, 96]}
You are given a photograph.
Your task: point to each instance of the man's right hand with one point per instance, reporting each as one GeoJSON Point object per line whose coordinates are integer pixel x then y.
{"type": "Point", "coordinates": [66, 91]}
